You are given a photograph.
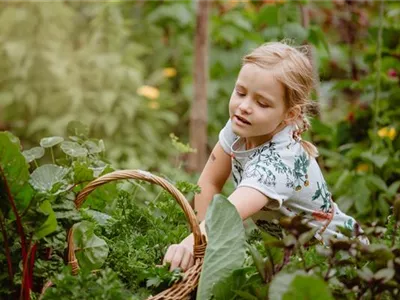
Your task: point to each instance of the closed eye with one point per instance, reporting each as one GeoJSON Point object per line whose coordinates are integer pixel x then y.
{"type": "Point", "coordinates": [240, 94]}
{"type": "Point", "coordinates": [263, 105]}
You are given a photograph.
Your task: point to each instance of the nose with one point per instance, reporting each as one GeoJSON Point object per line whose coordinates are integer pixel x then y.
{"type": "Point", "coordinates": [245, 106]}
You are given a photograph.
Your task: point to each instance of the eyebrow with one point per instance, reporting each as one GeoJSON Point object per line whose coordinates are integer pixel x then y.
{"type": "Point", "coordinates": [263, 96]}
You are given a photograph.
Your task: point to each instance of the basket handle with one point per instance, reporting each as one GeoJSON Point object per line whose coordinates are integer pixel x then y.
{"type": "Point", "coordinates": [199, 239]}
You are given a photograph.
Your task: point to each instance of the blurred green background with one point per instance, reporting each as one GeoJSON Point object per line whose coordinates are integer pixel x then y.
{"type": "Point", "coordinates": [125, 68]}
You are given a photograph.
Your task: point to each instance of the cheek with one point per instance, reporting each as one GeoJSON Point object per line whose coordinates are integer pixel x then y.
{"type": "Point", "coordinates": [232, 105]}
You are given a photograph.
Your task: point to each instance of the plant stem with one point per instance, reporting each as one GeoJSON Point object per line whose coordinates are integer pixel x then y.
{"type": "Point", "coordinates": [378, 66]}
{"type": "Point", "coordinates": [20, 229]}
{"type": "Point", "coordinates": [286, 258]}
{"type": "Point", "coordinates": [52, 155]}
{"type": "Point", "coordinates": [7, 250]}
{"type": "Point", "coordinates": [36, 164]}
{"type": "Point", "coordinates": [27, 273]}
{"type": "Point", "coordinates": [272, 260]}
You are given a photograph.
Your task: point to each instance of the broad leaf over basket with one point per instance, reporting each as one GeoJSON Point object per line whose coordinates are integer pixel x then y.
{"type": "Point", "coordinates": [90, 250]}
{"type": "Point", "coordinates": [226, 245]}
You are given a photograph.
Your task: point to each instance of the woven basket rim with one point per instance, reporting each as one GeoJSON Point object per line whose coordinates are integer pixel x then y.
{"type": "Point", "coordinates": [181, 289]}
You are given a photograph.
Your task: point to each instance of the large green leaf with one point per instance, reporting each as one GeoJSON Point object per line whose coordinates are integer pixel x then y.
{"type": "Point", "coordinates": [298, 286]}
{"type": "Point", "coordinates": [44, 177]}
{"type": "Point", "coordinates": [15, 169]}
{"type": "Point", "coordinates": [226, 245]}
{"type": "Point", "coordinates": [90, 250]}
{"type": "Point", "coordinates": [50, 225]}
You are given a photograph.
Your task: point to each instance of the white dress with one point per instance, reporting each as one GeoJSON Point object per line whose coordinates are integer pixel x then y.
{"type": "Point", "coordinates": [282, 170]}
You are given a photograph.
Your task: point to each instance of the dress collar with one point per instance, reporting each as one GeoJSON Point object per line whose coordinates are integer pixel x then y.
{"type": "Point", "coordinates": [238, 147]}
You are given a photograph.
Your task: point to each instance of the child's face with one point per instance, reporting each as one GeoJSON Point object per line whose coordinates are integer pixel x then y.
{"type": "Point", "coordinates": [257, 105]}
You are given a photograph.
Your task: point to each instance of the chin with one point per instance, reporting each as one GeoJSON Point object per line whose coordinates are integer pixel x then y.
{"type": "Point", "coordinates": [239, 131]}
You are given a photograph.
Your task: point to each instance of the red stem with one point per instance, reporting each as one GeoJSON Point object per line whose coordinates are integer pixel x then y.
{"type": "Point", "coordinates": [17, 217]}
{"type": "Point", "coordinates": [7, 250]}
{"type": "Point", "coordinates": [27, 273]}
{"type": "Point", "coordinates": [32, 264]}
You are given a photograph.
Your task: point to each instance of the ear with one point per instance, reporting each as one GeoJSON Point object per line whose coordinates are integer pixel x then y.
{"type": "Point", "coordinates": [293, 114]}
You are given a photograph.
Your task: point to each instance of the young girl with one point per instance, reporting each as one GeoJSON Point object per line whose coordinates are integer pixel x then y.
{"type": "Point", "coordinates": [274, 170]}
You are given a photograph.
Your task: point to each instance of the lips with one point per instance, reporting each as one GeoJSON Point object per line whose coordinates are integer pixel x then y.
{"type": "Point", "coordinates": [243, 120]}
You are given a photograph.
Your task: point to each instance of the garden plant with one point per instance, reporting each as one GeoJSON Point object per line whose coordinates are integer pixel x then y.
{"type": "Point", "coordinates": [125, 70]}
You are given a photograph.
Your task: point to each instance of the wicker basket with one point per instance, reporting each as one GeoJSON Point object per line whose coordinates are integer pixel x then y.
{"type": "Point", "coordinates": [182, 289]}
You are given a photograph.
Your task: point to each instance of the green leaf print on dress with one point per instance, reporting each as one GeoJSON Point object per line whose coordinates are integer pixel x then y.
{"type": "Point", "coordinates": [323, 194]}
{"type": "Point", "coordinates": [259, 164]}
{"type": "Point", "coordinates": [349, 224]}
{"type": "Point", "coordinates": [300, 169]}
{"type": "Point", "coordinates": [237, 171]}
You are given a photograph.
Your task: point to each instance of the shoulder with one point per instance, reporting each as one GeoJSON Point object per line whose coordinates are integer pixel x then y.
{"type": "Point", "coordinates": [227, 137]}
{"type": "Point", "coordinates": [281, 152]}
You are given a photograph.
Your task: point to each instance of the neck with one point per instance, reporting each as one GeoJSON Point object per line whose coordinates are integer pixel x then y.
{"type": "Point", "coordinates": [255, 141]}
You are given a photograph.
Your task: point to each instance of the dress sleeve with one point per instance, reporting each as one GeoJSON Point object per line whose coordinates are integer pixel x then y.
{"type": "Point", "coordinates": [271, 175]}
{"type": "Point", "coordinates": [227, 137]}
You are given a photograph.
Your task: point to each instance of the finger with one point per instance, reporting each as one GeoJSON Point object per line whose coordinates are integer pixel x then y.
{"type": "Point", "coordinates": [191, 262]}
{"type": "Point", "coordinates": [186, 260]}
{"type": "Point", "coordinates": [177, 259]}
{"type": "Point", "coordinates": [170, 254]}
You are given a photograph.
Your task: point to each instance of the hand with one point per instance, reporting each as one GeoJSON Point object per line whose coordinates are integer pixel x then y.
{"type": "Point", "coordinates": [179, 255]}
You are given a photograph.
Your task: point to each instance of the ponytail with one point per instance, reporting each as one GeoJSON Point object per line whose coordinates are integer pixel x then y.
{"type": "Point", "coordinates": [303, 125]}
{"type": "Point", "coordinates": [309, 148]}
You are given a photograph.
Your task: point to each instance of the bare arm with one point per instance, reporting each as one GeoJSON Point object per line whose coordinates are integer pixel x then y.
{"type": "Point", "coordinates": [212, 179]}
{"type": "Point", "coordinates": [247, 201]}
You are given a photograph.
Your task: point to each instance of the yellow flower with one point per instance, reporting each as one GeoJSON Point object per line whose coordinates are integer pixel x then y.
{"type": "Point", "coordinates": [392, 133]}
{"type": "Point", "coordinates": [149, 92]}
{"type": "Point", "coordinates": [169, 72]}
{"type": "Point", "coordinates": [387, 132]}
{"type": "Point", "coordinates": [153, 105]}
{"type": "Point", "coordinates": [362, 168]}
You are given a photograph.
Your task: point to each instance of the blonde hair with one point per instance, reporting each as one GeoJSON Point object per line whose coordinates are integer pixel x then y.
{"type": "Point", "coordinates": [290, 66]}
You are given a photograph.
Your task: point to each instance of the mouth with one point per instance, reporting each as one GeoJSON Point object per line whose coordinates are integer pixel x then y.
{"type": "Point", "coordinates": [242, 120]}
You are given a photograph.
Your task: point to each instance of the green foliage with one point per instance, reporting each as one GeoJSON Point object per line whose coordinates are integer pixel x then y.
{"type": "Point", "coordinates": [81, 68]}
{"type": "Point", "coordinates": [90, 65]}
{"type": "Point", "coordinates": [90, 250]}
{"type": "Point", "coordinates": [298, 285]}
{"type": "Point", "coordinates": [225, 248]}
{"type": "Point", "coordinates": [129, 233]}
{"type": "Point", "coordinates": [103, 284]}
{"type": "Point", "coordinates": [13, 166]}
{"type": "Point", "coordinates": [138, 235]}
